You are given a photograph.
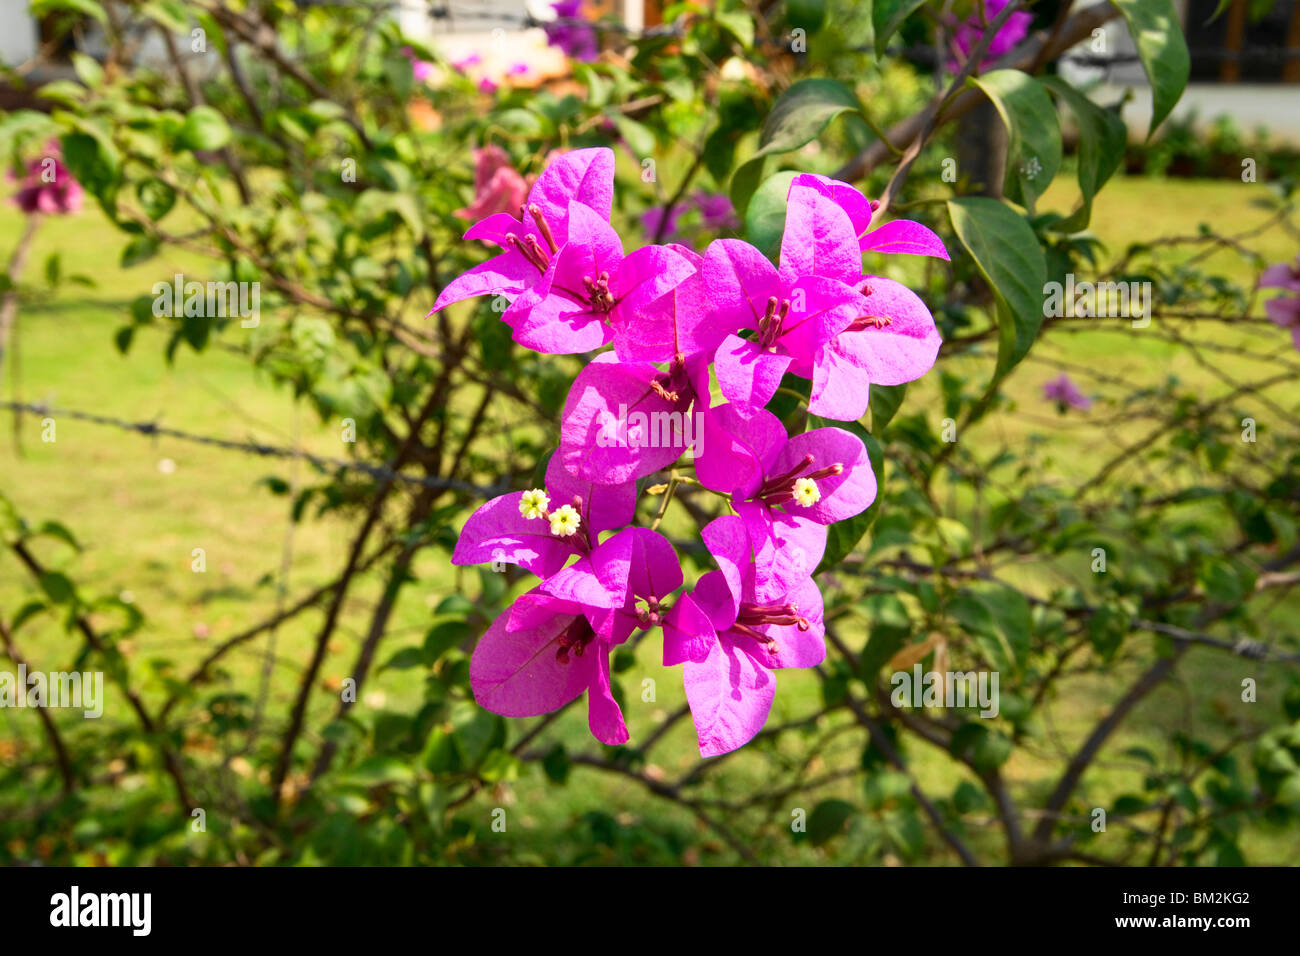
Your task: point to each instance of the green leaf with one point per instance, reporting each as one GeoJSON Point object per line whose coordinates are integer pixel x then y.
{"type": "Point", "coordinates": [40, 9]}
{"type": "Point", "coordinates": [739, 24]}
{"type": "Point", "coordinates": [521, 122]}
{"type": "Point", "coordinates": [1218, 11]}
{"type": "Point", "coordinates": [53, 529]}
{"type": "Point", "coordinates": [196, 329]}
{"type": "Point", "coordinates": [637, 135]}
{"type": "Point", "coordinates": [765, 218]}
{"type": "Point", "coordinates": [156, 198]}
{"type": "Point", "coordinates": [843, 536]}
{"type": "Point", "coordinates": [456, 604]}
{"type": "Point", "coordinates": [885, 401]}
{"type": "Point", "coordinates": [91, 158]}
{"type": "Point", "coordinates": [88, 71]}
{"type": "Point", "coordinates": [1013, 617]}
{"type": "Point", "coordinates": [57, 587]}
{"type": "Point", "coordinates": [797, 118]}
{"type": "Point", "coordinates": [1008, 255]}
{"type": "Point", "coordinates": [827, 820]}
{"type": "Point", "coordinates": [1034, 147]}
{"type": "Point", "coordinates": [138, 250]}
{"type": "Point", "coordinates": [985, 749]}
{"type": "Point", "coordinates": [810, 15]}
{"type": "Point", "coordinates": [378, 770]}
{"type": "Point", "coordinates": [123, 338]}
{"type": "Point", "coordinates": [499, 765]}
{"type": "Point", "coordinates": [169, 14]}
{"type": "Point", "coordinates": [65, 91]}
{"type": "Point", "coordinates": [405, 659]}
{"type": "Point", "coordinates": [890, 628]}
{"type": "Point", "coordinates": [1162, 49]}
{"type": "Point", "coordinates": [557, 764]}
{"type": "Point", "coordinates": [720, 152]}
{"type": "Point", "coordinates": [1102, 138]}
{"type": "Point", "coordinates": [26, 613]}
{"type": "Point", "coordinates": [204, 129]}
{"type": "Point", "coordinates": [887, 16]}
{"type": "Point", "coordinates": [443, 637]}
{"type": "Point", "coordinates": [999, 627]}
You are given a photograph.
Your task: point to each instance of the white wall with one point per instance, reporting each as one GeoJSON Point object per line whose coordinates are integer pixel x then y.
{"type": "Point", "coordinates": [18, 37]}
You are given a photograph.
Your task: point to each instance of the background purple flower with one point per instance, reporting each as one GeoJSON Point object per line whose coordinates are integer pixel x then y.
{"type": "Point", "coordinates": [1284, 311]}
{"type": "Point", "coordinates": [653, 217]}
{"type": "Point", "coordinates": [716, 211]}
{"type": "Point", "coordinates": [1064, 392]}
{"type": "Point", "coordinates": [577, 40]}
{"type": "Point", "coordinates": [497, 185]}
{"type": "Point", "coordinates": [48, 187]}
{"type": "Point", "coordinates": [422, 70]}
{"type": "Point", "coordinates": [968, 33]}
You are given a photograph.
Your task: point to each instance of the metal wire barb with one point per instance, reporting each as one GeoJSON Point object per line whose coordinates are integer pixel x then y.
{"type": "Point", "coordinates": [382, 472]}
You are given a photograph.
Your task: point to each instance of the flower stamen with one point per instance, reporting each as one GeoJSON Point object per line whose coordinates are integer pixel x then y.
{"type": "Point", "coordinates": [598, 294]}
{"type": "Point", "coordinates": [575, 638]}
{"type": "Point", "coordinates": [781, 615]}
{"type": "Point", "coordinates": [869, 322]}
{"type": "Point", "coordinates": [542, 225]}
{"type": "Point", "coordinates": [529, 248]}
{"type": "Point", "coordinates": [652, 614]}
{"type": "Point", "coordinates": [769, 326]}
{"type": "Point", "coordinates": [798, 484]}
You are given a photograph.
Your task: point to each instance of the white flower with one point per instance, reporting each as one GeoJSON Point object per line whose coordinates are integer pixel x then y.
{"type": "Point", "coordinates": [806, 492]}
{"type": "Point", "coordinates": [565, 521]}
{"type": "Point", "coordinates": [534, 503]}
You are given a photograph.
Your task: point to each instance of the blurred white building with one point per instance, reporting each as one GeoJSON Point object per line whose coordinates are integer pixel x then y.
{"type": "Point", "coordinates": [1243, 69]}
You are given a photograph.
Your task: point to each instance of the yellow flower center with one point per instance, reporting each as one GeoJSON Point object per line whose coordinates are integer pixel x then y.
{"type": "Point", "coordinates": [534, 503]}
{"type": "Point", "coordinates": [565, 521]}
{"type": "Point", "coordinates": [806, 492]}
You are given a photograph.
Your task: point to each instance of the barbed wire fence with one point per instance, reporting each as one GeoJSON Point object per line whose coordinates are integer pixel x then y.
{"type": "Point", "coordinates": [260, 449]}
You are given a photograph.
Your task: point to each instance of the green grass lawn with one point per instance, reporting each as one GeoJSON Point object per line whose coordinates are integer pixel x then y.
{"type": "Point", "coordinates": [139, 520]}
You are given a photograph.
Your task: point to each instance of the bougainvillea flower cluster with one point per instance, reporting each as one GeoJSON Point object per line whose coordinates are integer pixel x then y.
{"type": "Point", "coordinates": [970, 31]}
{"type": "Point", "coordinates": [668, 321]}
{"type": "Point", "coordinates": [498, 187]}
{"type": "Point", "coordinates": [48, 187]}
{"type": "Point", "coordinates": [569, 33]}
{"type": "Point", "coordinates": [1284, 310]}
{"type": "Point", "coordinates": [1065, 393]}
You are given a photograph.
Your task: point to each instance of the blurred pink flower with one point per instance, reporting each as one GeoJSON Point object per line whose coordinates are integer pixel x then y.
{"type": "Point", "coordinates": [716, 211]}
{"type": "Point", "coordinates": [422, 70]}
{"type": "Point", "coordinates": [1284, 311]}
{"type": "Point", "coordinates": [967, 34]}
{"type": "Point", "coordinates": [517, 69]}
{"type": "Point", "coordinates": [487, 85]}
{"type": "Point", "coordinates": [570, 34]}
{"type": "Point", "coordinates": [1063, 391]}
{"type": "Point", "coordinates": [465, 62]}
{"type": "Point", "coordinates": [48, 187]}
{"type": "Point", "coordinates": [497, 186]}
{"type": "Point", "coordinates": [653, 218]}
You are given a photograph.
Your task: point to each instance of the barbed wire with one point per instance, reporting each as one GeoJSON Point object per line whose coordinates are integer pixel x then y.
{"type": "Point", "coordinates": [153, 429]}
